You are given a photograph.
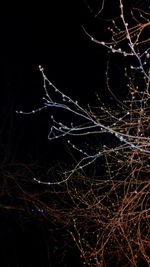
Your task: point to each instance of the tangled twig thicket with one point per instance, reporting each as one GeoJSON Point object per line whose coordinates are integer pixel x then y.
{"type": "Point", "coordinates": [108, 215]}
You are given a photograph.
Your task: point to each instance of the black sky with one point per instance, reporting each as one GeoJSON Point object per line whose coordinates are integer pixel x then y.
{"type": "Point", "coordinates": [47, 33]}
{"type": "Point", "coordinates": [50, 34]}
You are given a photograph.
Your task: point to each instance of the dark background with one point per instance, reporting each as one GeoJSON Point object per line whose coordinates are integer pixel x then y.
{"type": "Point", "coordinates": [48, 33]}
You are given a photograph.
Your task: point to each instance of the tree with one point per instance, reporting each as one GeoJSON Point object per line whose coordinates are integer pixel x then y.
{"type": "Point", "coordinates": [107, 214]}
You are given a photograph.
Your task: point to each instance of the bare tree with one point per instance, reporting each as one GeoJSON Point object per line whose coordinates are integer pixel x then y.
{"type": "Point", "coordinates": [107, 215]}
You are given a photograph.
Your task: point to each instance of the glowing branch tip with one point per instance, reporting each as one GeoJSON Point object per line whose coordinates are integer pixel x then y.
{"type": "Point", "coordinates": [41, 68]}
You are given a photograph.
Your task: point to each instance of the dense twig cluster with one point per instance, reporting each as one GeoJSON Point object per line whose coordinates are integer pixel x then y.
{"type": "Point", "coordinates": [107, 215]}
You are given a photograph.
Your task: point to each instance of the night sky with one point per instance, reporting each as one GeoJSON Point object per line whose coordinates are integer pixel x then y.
{"type": "Point", "coordinates": [48, 33]}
